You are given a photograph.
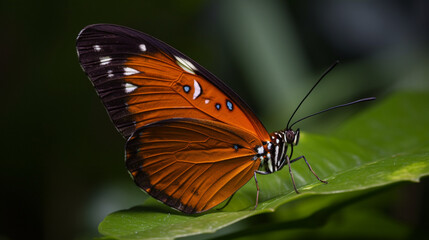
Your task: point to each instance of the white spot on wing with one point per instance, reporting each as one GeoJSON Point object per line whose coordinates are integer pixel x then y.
{"type": "Point", "coordinates": [130, 71]}
{"type": "Point", "coordinates": [197, 89]}
{"type": "Point", "coordinates": [185, 65]}
{"type": "Point", "coordinates": [130, 87]}
{"type": "Point", "coordinates": [142, 47]}
{"type": "Point", "coordinates": [105, 60]}
{"type": "Point", "coordinates": [207, 101]}
{"type": "Point", "coordinates": [260, 150]}
{"type": "Point", "coordinates": [109, 73]}
{"type": "Point", "coordinates": [97, 48]}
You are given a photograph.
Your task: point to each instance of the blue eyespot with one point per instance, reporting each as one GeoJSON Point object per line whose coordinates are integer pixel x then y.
{"type": "Point", "coordinates": [229, 105]}
{"type": "Point", "coordinates": [237, 146]}
{"type": "Point", "coordinates": [186, 88]}
{"type": "Point", "coordinates": [217, 105]}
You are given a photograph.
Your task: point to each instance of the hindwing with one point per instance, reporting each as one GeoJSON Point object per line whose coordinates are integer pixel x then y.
{"type": "Point", "coordinates": [191, 165]}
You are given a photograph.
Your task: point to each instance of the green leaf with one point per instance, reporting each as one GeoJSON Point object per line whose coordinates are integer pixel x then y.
{"type": "Point", "coordinates": [388, 143]}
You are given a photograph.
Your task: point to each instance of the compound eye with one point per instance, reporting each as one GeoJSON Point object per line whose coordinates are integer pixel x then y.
{"type": "Point", "coordinates": [296, 139]}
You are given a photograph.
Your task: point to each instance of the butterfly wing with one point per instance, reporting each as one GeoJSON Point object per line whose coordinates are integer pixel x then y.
{"type": "Point", "coordinates": [191, 165]}
{"type": "Point", "coordinates": [142, 80]}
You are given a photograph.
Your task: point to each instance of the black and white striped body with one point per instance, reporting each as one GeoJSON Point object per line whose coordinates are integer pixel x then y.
{"type": "Point", "coordinates": [273, 154]}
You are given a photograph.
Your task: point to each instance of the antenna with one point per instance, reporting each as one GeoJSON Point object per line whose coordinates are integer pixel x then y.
{"type": "Point", "coordinates": [314, 86]}
{"type": "Point", "coordinates": [335, 107]}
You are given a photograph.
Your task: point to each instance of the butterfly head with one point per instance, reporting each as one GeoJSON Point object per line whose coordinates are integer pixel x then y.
{"type": "Point", "coordinates": [292, 137]}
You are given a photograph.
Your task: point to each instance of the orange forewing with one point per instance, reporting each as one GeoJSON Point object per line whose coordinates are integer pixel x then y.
{"type": "Point", "coordinates": [191, 165]}
{"type": "Point", "coordinates": [140, 81]}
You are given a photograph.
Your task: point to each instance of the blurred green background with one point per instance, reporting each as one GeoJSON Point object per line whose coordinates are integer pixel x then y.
{"type": "Point", "coordinates": [62, 167]}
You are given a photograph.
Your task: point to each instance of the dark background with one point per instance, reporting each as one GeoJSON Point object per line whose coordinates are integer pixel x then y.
{"type": "Point", "coordinates": [62, 167]}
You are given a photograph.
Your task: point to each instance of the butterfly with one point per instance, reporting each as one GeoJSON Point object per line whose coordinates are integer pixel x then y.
{"type": "Point", "coordinates": [192, 142]}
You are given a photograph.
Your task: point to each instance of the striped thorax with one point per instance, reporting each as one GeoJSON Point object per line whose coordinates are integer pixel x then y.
{"type": "Point", "coordinates": [273, 153]}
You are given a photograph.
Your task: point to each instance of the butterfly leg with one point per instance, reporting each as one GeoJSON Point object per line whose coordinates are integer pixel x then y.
{"type": "Point", "coordinates": [309, 167]}
{"type": "Point", "coordinates": [290, 171]}
{"type": "Point", "coordinates": [226, 204]}
{"type": "Point", "coordinates": [257, 190]}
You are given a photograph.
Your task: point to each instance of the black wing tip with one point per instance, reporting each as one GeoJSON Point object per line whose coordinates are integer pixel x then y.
{"type": "Point", "coordinates": [89, 27]}
{"type": "Point", "coordinates": [97, 27]}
